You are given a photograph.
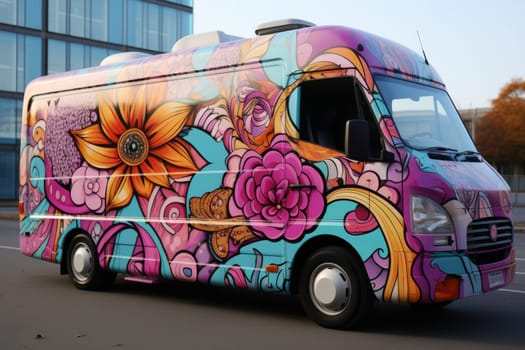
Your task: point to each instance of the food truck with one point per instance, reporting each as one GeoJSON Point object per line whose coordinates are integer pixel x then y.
{"type": "Point", "coordinates": [321, 161]}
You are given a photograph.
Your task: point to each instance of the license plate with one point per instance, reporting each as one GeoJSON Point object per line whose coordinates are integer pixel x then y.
{"type": "Point", "coordinates": [496, 279]}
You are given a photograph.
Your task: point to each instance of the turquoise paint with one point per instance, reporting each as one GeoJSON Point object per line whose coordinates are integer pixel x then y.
{"type": "Point", "coordinates": [210, 176]}
{"type": "Point", "coordinates": [123, 250]}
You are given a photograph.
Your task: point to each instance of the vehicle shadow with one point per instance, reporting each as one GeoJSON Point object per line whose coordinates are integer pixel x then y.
{"type": "Point", "coordinates": [223, 297]}
{"type": "Point", "coordinates": [487, 319]}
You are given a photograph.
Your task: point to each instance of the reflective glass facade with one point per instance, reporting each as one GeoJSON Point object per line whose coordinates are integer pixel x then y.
{"type": "Point", "coordinates": [149, 25]}
{"type": "Point", "coordinates": [18, 64]}
{"type": "Point", "coordinates": [63, 55]}
{"type": "Point", "coordinates": [40, 37]}
{"type": "Point", "coordinates": [24, 13]}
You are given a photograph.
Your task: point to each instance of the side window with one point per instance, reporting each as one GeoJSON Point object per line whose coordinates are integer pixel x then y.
{"type": "Point", "coordinates": [326, 106]}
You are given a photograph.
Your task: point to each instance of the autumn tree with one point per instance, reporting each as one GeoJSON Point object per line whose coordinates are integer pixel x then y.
{"type": "Point", "coordinates": [500, 134]}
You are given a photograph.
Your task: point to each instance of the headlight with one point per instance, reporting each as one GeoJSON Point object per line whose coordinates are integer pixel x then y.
{"type": "Point", "coordinates": [429, 217]}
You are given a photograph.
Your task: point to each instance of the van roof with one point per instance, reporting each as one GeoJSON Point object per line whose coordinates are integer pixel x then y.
{"type": "Point", "coordinates": [202, 39]}
{"type": "Point", "coordinates": [381, 55]}
{"type": "Point", "coordinates": [193, 41]}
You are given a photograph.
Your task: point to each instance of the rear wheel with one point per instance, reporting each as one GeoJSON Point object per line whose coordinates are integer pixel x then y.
{"type": "Point", "coordinates": [334, 288]}
{"type": "Point", "coordinates": [82, 265]}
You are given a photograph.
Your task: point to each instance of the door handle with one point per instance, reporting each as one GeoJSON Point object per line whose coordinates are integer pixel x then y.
{"type": "Point", "coordinates": [301, 186]}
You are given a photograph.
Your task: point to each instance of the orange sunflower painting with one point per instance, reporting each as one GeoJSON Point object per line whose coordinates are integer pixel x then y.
{"type": "Point", "coordinates": [136, 139]}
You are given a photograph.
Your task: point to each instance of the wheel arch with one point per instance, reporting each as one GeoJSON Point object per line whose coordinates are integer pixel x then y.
{"type": "Point", "coordinates": [309, 248]}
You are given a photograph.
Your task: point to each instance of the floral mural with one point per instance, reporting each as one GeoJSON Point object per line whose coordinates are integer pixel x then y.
{"type": "Point", "coordinates": [202, 177]}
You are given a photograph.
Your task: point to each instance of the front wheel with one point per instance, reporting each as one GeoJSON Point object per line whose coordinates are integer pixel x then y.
{"type": "Point", "coordinates": [82, 265]}
{"type": "Point", "coordinates": [334, 288]}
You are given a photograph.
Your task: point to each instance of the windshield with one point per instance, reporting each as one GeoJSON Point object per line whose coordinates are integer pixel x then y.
{"type": "Point", "coordinates": [424, 116]}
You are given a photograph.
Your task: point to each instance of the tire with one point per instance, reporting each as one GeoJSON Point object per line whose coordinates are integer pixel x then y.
{"type": "Point", "coordinates": [334, 289]}
{"type": "Point", "coordinates": [82, 265]}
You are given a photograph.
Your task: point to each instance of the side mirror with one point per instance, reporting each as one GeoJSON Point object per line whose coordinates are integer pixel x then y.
{"type": "Point", "coordinates": [357, 143]}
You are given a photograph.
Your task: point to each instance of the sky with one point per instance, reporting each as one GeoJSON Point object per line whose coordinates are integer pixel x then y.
{"type": "Point", "coordinates": [477, 46]}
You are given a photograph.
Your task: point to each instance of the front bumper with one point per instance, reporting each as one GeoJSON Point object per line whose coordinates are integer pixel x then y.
{"type": "Point", "coordinates": [447, 276]}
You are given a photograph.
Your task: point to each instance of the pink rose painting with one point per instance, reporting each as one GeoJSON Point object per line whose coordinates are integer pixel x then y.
{"type": "Point", "coordinates": [279, 195]}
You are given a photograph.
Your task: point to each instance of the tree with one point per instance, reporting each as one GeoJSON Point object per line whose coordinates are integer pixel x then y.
{"type": "Point", "coordinates": [500, 134]}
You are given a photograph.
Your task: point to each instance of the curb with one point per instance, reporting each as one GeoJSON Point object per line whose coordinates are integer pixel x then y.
{"type": "Point", "coordinates": [6, 216]}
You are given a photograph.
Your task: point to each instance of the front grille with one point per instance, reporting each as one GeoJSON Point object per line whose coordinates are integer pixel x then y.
{"type": "Point", "coordinates": [489, 240]}
{"type": "Point", "coordinates": [490, 257]}
{"type": "Point", "coordinates": [489, 234]}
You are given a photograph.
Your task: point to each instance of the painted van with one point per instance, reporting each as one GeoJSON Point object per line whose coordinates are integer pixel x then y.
{"type": "Point", "coordinates": [317, 160]}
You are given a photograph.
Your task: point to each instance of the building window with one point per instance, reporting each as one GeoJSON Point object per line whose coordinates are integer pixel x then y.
{"type": "Point", "coordinates": [8, 174]}
{"type": "Point", "coordinates": [10, 109]}
{"type": "Point", "coordinates": [65, 56]}
{"type": "Point", "coordinates": [175, 24]}
{"type": "Point", "coordinates": [152, 27]}
{"type": "Point", "coordinates": [77, 18]}
{"type": "Point", "coordinates": [116, 21]}
{"type": "Point", "coordinates": [8, 61]}
{"type": "Point", "coordinates": [57, 14]}
{"type": "Point", "coordinates": [134, 23]}
{"type": "Point", "coordinates": [24, 13]}
{"type": "Point", "coordinates": [20, 61]}
{"type": "Point", "coordinates": [99, 20]}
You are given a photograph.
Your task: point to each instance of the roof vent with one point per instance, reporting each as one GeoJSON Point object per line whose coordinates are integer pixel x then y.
{"type": "Point", "coordinates": [282, 25]}
{"type": "Point", "coordinates": [123, 57]}
{"type": "Point", "coordinates": [202, 39]}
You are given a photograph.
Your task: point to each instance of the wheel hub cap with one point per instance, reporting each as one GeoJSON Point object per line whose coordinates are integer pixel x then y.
{"type": "Point", "coordinates": [82, 262]}
{"type": "Point", "coordinates": [330, 288]}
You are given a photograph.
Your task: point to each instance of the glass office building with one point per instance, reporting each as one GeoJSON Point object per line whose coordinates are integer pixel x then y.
{"type": "Point", "coordinates": [40, 37]}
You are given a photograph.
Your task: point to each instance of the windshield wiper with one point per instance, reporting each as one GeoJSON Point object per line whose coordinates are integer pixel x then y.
{"type": "Point", "coordinates": [439, 149]}
{"type": "Point", "coordinates": [468, 153]}
{"type": "Point", "coordinates": [465, 154]}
